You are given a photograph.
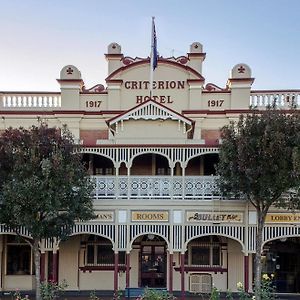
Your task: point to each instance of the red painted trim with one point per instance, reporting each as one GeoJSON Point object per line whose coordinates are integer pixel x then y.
{"type": "Point", "coordinates": [42, 272]}
{"type": "Point", "coordinates": [120, 81]}
{"type": "Point", "coordinates": [114, 55]}
{"type": "Point", "coordinates": [251, 80]}
{"type": "Point", "coordinates": [151, 146]}
{"type": "Point", "coordinates": [217, 92]}
{"type": "Point", "coordinates": [246, 273]}
{"type": "Point", "coordinates": [275, 91]}
{"type": "Point", "coordinates": [194, 81]}
{"type": "Point", "coordinates": [104, 92]}
{"type": "Point", "coordinates": [28, 92]}
{"type": "Point", "coordinates": [101, 268]}
{"type": "Point", "coordinates": [182, 255]}
{"type": "Point", "coordinates": [202, 269]}
{"type": "Point", "coordinates": [127, 270]}
{"type": "Point", "coordinates": [57, 112]}
{"type": "Point", "coordinates": [55, 267]}
{"type": "Point", "coordinates": [116, 272]}
{"type": "Point", "coordinates": [171, 273]}
{"type": "Point", "coordinates": [160, 61]}
{"type": "Point", "coordinates": [218, 112]}
{"type": "Point", "coordinates": [68, 80]}
{"type": "Point", "coordinates": [190, 54]}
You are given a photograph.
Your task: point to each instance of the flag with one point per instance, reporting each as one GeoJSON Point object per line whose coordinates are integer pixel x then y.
{"type": "Point", "coordinates": [154, 56]}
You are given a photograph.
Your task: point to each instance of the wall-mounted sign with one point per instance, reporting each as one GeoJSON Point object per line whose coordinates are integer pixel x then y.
{"type": "Point", "coordinates": [222, 217]}
{"type": "Point", "coordinates": [104, 216]}
{"type": "Point", "coordinates": [157, 85]}
{"type": "Point", "coordinates": [150, 216]}
{"type": "Point", "coordinates": [283, 218]}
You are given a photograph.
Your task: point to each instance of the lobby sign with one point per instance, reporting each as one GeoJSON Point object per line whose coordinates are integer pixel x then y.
{"type": "Point", "coordinates": [104, 216]}
{"type": "Point", "coordinates": [222, 217]}
{"type": "Point", "coordinates": [283, 218]}
{"type": "Point", "coordinates": [150, 216]}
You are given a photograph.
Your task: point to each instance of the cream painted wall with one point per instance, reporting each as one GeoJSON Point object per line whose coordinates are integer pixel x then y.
{"type": "Point", "coordinates": [179, 97]}
{"type": "Point", "coordinates": [21, 282]}
{"type": "Point", "coordinates": [134, 271]}
{"type": "Point", "coordinates": [68, 262]}
{"type": "Point", "coordinates": [235, 264]}
{"type": "Point", "coordinates": [96, 280]}
{"type": "Point", "coordinates": [157, 131]}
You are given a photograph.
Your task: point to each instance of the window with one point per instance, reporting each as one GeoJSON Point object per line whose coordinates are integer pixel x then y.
{"type": "Point", "coordinates": [18, 255]}
{"type": "Point", "coordinates": [205, 251]}
{"type": "Point", "coordinates": [99, 251]}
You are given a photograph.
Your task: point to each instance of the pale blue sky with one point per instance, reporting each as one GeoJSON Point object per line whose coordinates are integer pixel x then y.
{"type": "Point", "coordinates": [39, 37]}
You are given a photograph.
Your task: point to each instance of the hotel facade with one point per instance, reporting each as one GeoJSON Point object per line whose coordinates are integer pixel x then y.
{"type": "Point", "coordinates": [161, 221]}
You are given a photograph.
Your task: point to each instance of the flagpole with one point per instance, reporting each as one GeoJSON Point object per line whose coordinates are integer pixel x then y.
{"type": "Point", "coordinates": [152, 57]}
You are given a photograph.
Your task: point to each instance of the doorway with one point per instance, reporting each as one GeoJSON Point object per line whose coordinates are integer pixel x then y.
{"type": "Point", "coordinates": [281, 258]}
{"type": "Point", "coordinates": [153, 263]}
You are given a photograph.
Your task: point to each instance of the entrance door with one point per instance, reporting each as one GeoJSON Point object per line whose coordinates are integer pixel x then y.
{"type": "Point", "coordinates": [153, 266]}
{"type": "Point", "coordinates": [282, 259]}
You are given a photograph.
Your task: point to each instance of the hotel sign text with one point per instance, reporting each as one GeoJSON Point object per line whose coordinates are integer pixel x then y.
{"type": "Point", "coordinates": [194, 216]}
{"type": "Point", "coordinates": [157, 85]}
{"type": "Point", "coordinates": [104, 216]}
{"type": "Point", "coordinates": [283, 218]}
{"type": "Point", "coordinates": [150, 216]}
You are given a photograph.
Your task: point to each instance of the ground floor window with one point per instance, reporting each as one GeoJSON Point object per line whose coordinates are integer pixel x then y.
{"type": "Point", "coordinates": [99, 251]}
{"type": "Point", "coordinates": [18, 257]}
{"type": "Point", "coordinates": [205, 251]}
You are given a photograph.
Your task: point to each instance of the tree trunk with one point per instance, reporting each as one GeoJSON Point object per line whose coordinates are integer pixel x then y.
{"type": "Point", "coordinates": [258, 250]}
{"type": "Point", "coordinates": [37, 264]}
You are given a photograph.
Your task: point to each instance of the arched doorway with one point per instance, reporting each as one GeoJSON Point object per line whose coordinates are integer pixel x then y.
{"type": "Point", "coordinates": [152, 261]}
{"type": "Point", "coordinates": [281, 258]}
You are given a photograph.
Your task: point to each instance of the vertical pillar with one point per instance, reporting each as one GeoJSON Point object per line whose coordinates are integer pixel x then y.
{"type": "Point", "coordinates": [246, 273]}
{"type": "Point", "coordinates": [127, 270]}
{"type": "Point", "coordinates": [182, 276]}
{"type": "Point", "coordinates": [55, 266]}
{"type": "Point", "coordinates": [116, 272]}
{"type": "Point", "coordinates": [171, 273]}
{"type": "Point", "coordinates": [42, 262]}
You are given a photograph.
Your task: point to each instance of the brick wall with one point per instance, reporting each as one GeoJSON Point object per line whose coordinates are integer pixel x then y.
{"type": "Point", "coordinates": [89, 137]}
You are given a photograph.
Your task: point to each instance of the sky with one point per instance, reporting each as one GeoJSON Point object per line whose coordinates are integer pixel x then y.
{"type": "Point", "coordinates": [39, 37]}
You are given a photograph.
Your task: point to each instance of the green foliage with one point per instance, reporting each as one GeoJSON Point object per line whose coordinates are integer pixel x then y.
{"type": "Point", "coordinates": [153, 294]}
{"type": "Point", "coordinates": [259, 158]}
{"type": "Point", "coordinates": [93, 296]}
{"type": "Point", "coordinates": [215, 294]}
{"type": "Point", "coordinates": [268, 289]}
{"type": "Point", "coordinates": [44, 186]}
{"type": "Point", "coordinates": [51, 290]}
{"type": "Point", "coordinates": [18, 296]}
{"type": "Point", "coordinates": [229, 295]}
{"type": "Point", "coordinates": [241, 292]}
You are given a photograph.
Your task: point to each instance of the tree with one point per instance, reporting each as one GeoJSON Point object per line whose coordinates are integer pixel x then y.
{"type": "Point", "coordinates": [259, 162]}
{"type": "Point", "coordinates": [44, 186]}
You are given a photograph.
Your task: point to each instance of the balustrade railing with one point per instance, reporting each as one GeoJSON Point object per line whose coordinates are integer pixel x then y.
{"type": "Point", "coordinates": [155, 187]}
{"type": "Point", "coordinates": [284, 99]}
{"type": "Point", "coordinates": [30, 100]}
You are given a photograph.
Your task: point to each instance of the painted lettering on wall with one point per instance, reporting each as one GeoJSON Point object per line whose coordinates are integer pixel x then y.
{"type": "Point", "coordinates": [192, 216]}
{"type": "Point", "coordinates": [152, 216]}
{"type": "Point", "coordinates": [215, 103]}
{"type": "Point", "coordinates": [104, 216]}
{"type": "Point", "coordinates": [157, 85]}
{"type": "Point", "coordinates": [283, 218]}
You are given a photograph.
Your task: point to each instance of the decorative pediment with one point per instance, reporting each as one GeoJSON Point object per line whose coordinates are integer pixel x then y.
{"type": "Point", "coordinates": [150, 110]}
